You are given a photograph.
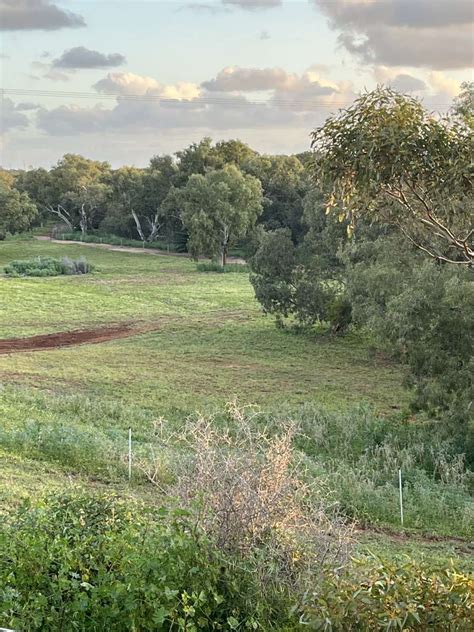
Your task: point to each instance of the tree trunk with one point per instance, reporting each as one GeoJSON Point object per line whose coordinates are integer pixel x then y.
{"type": "Point", "coordinates": [139, 226]}
{"type": "Point", "coordinates": [83, 221]}
{"type": "Point", "coordinates": [225, 245]}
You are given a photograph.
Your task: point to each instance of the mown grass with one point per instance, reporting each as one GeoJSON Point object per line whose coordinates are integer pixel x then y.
{"type": "Point", "coordinates": [211, 343]}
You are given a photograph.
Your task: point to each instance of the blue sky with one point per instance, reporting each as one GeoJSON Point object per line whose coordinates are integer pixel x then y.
{"type": "Point", "coordinates": [271, 70]}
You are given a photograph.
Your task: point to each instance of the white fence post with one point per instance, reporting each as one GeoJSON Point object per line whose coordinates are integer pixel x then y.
{"type": "Point", "coordinates": [401, 495]}
{"type": "Point", "coordinates": [129, 454]}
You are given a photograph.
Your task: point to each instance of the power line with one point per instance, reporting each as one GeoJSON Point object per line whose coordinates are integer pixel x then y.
{"type": "Point", "coordinates": [201, 100]}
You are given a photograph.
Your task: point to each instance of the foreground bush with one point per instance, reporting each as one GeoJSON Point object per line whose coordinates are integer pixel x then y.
{"type": "Point", "coordinates": [99, 563]}
{"type": "Point", "coordinates": [83, 563]}
{"type": "Point", "coordinates": [376, 595]}
{"type": "Point", "coordinates": [47, 266]}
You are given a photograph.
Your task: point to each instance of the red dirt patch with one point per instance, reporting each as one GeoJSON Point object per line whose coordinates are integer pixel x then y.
{"type": "Point", "coordinates": [72, 338]}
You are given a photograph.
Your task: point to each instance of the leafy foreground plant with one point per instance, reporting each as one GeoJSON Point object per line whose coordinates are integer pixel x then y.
{"type": "Point", "coordinates": [377, 595]}
{"type": "Point", "coordinates": [47, 266]}
{"type": "Point", "coordinates": [84, 563]}
{"type": "Point", "coordinates": [78, 562]}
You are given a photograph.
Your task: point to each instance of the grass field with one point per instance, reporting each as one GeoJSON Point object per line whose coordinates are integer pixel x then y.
{"type": "Point", "coordinates": [212, 342]}
{"type": "Point", "coordinates": [65, 412]}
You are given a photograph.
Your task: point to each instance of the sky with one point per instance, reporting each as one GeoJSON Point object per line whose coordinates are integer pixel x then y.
{"type": "Point", "coordinates": [122, 81]}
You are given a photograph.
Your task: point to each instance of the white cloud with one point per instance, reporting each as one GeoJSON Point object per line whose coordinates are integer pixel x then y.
{"type": "Point", "coordinates": [236, 79]}
{"type": "Point", "coordinates": [445, 85]}
{"type": "Point", "coordinates": [129, 84]}
{"type": "Point", "coordinates": [126, 83]}
{"type": "Point", "coordinates": [399, 79]}
{"type": "Point", "coordinates": [143, 103]}
{"type": "Point", "coordinates": [253, 5]}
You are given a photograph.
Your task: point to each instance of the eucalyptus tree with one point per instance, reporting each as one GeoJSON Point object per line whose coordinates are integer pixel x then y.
{"type": "Point", "coordinates": [387, 158]}
{"type": "Point", "coordinates": [219, 208]}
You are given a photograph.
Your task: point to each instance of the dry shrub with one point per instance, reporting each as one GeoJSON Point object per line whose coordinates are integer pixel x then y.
{"type": "Point", "coordinates": [248, 489]}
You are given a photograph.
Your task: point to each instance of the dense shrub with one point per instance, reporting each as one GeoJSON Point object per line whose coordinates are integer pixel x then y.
{"type": "Point", "coordinates": [376, 595]}
{"type": "Point", "coordinates": [94, 563]}
{"type": "Point", "coordinates": [81, 562]}
{"type": "Point", "coordinates": [217, 267]}
{"type": "Point", "coordinates": [47, 266]}
{"type": "Point", "coordinates": [423, 313]}
{"type": "Point", "coordinates": [289, 284]}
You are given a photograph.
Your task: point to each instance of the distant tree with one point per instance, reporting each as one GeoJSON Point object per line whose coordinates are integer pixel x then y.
{"type": "Point", "coordinates": [218, 208]}
{"type": "Point", "coordinates": [198, 158]}
{"type": "Point", "coordinates": [232, 152]}
{"type": "Point", "coordinates": [125, 199]}
{"type": "Point", "coordinates": [17, 211]}
{"type": "Point", "coordinates": [388, 159]}
{"type": "Point", "coordinates": [325, 234]}
{"type": "Point", "coordinates": [285, 183]}
{"type": "Point", "coordinates": [78, 191]}
{"type": "Point", "coordinates": [7, 178]}
{"type": "Point", "coordinates": [37, 183]}
{"type": "Point", "coordinates": [423, 314]}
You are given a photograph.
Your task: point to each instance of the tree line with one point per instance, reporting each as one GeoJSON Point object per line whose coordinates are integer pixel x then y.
{"type": "Point", "coordinates": [204, 198]}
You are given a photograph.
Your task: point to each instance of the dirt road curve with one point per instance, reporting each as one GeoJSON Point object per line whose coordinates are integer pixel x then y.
{"type": "Point", "coordinates": [146, 251]}
{"type": "Point", "coordinates": [71, 338]}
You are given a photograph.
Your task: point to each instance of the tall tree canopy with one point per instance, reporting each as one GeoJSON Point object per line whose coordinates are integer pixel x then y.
{"type": "Point", "coordinates": [78, 191]}
{"type": "Point", "coordinates": [387, 158]}
{"type": "Point", "coordinates": [17, 211]}
{"type": "Point", "coordinates": [218, 208]}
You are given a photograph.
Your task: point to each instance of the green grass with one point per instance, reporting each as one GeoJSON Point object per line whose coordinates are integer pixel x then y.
{"type": "Point", "coordinates": [212, 344]}
{"type": "Point", "coordinates": [65, 413]}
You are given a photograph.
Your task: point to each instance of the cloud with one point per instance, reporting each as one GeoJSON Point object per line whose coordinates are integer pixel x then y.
{"type": "Point", "coordinates": [236, 79]}
{"type": "Point", "coordinates": [48, 72]}
{"type": "Point", "coordinates": [406, 83]}
{"type": "Point", "coordinates": [399, 80]}
{"type": "Point", "coordinates": [144, 103]}
{"type": "Point", "coordinates": [444, 85]}
{"type": "Point", "coordinates": [297, 93]}
{"type": "Point", "coordinates": [81, 57]}
{"type": "Point", "coordinates": [125, 83]}
{"type": "Point", "coordinates": [264, 35]}
{"type": "Point", "coordinates": [410, 33]}
{"type": "Point", "coordinates": [143, 116]}
{"type": "Point", "coordinates": [29, 15]}
{"type": "Point", "coordinates": [203, 7]}
{"type": "Point", "coordinates": [10, 116]}
{"type": "Point", "coordinates": [128, 84]}
{"type": "Point", "coordinates": [26, 105]}
{"type": "Point", "coordinates": [253, 5]}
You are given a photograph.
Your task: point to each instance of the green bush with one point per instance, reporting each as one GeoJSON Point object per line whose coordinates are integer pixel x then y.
{"type": "Point", "coordinates": [376, 595]}
{"type": "Point", "coordinates": [47, 266]}
{"type": "Point", "coordinates": [212, 266]}
{"type": "Point", "coordinates": [96, 563]}
{"type": "Point", "coordinates": [81, 562]}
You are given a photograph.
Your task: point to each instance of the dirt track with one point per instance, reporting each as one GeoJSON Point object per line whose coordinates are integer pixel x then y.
{"type": "Point", "coordinates": [72, 338]}
{"type": "Point", "coordinates": [146, 251]}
